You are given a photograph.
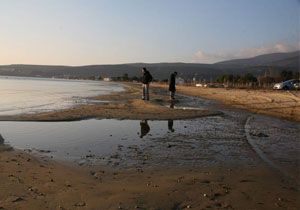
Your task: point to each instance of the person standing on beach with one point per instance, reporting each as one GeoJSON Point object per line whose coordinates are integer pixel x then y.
{"type": "Point", "coordinates": [146, 79]}
{"type": "Point", "coordinates": [172, 84]}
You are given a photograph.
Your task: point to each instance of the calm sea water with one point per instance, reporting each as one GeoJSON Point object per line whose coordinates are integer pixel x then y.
{"type": "Point", "coordinates": [29, 95]}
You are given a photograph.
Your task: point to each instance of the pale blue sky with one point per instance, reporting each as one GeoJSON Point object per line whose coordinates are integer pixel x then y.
{"type": "Point", "coordinates": [79, 32]}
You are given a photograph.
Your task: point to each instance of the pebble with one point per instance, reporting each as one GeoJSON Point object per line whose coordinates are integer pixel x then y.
{"type": "Point", "coordinates": [80, 204]}
{"type": "Point", "coordinates": [14, 199]}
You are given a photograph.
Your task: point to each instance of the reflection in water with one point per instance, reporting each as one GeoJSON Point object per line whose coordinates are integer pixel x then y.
{"type": "Point", "coordinates": [170, 125]}
{"type": "Point", "coordinates": [145, 128]}
{"type": "Point", "coordinates": [3, 147]}
{"type": "Point", "coordinates": [170, 122]}
{"type": "Point", "coordinates": [172, 104]}
{"type": "Point", "coordinates": [1, 139]}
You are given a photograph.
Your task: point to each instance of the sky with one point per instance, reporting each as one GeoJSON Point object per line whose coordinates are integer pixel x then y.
{"type": "Point", "coordinates": [84, 32]}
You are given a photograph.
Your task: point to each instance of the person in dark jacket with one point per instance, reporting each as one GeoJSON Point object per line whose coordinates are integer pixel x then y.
{"type": "Point", "coordinates": [172, 84]}
{"type": "Point", "coordinates": [146, 79]}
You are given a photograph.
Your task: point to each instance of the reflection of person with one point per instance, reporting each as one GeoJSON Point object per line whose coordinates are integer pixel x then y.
{"type": "Point", "coordinates": [1, 139]}
{"type": "Point", "coordinates": [170, 122]}
{"type": "Point", "coordinates": [170, 125]}
{"type": "Point", "coordinates": [146, 79]}
{"type": "Point", "coordinates": [172, 104]}
{"type": "Point", "coordinates": [172, 83]}
{"type": "Point", "coordinates": [145, 128]}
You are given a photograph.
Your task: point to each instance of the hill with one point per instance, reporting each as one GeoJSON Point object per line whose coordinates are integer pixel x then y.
{"type": "Point", "coordinates": [290, 59]}
{"type": "Point", "coordinates": [257, 65]}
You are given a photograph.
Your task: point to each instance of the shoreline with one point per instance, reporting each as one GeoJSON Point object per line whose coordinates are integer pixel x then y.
{"type": "Point", "coordinates": [128, 105]}
{"type": "Point", "coordinates": [121, 105]}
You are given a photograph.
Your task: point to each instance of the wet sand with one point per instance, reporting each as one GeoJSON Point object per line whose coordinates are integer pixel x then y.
{"type": "Point", "coordinates": [38, 182]}
{"type": "Point", "coordinates": [283, 104]}
{"type": "Point", "coordinates": [28, 182]}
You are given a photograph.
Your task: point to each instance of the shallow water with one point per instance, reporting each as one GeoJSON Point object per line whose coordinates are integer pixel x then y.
{"type": "Point", "coordinates": [218, 140]}
{"type": "Point", "coordinates": [29, 95]}
{"type": "Point", "coordinates": [74, 140]}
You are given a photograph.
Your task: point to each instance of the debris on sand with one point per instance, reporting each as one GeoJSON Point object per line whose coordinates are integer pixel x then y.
{"type": "Point", "coordinates": [259, 134]}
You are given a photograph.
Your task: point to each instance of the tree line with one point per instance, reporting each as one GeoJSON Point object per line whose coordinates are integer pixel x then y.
{"type": "Point", "coordinates": [256, 81]}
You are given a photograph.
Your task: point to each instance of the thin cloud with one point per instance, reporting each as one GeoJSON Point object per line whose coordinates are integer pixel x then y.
{"type": "Point", "coordinates": [204, 57]}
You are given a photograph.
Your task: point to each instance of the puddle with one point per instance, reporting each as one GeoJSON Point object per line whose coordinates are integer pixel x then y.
{"type": "Point", "coordinates": [93, 138]}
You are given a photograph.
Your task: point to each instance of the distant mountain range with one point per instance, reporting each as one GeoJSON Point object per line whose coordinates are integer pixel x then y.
{"type": "Point", "coordinates": [275, 59]}
{"type": "Point", "coordinates": [273, 63]}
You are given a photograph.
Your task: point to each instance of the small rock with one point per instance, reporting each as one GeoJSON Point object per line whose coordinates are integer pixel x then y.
{"type": "Point", "coordinates": [68, 184]}
{"type": "Point", "coordinates": [81, 162]}
{"type": "Point", "coordinates": [61, 208]}
{"type": "Point", "coordinates": [218, 204]}
{"type": "Point", "coordinates": [14, 199]}
{"type": "Point", "coordinates": [43, 151]}
{"type": "Point", "coordinates": [80, 204]}
{"type": "Point", "coordinates": [90, 156]}
{"type": "Point", "coordinates": [277, 204]}
{"type": "Point", "coordinates": [259, 134]}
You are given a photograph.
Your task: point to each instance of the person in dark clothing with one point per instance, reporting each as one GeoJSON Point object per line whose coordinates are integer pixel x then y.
{"type": "Point", "coordinates": [145, 128]}
{"type": "Point", "coordinates": [146, 79]}
{"type": "Point", "coordinates": [172, 84]}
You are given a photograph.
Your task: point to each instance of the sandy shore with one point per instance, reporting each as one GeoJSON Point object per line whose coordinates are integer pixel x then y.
{"type": "Point", "coordinates": [128, 105]}
{"type": "Point", "coordinates": [119, 105]}
{"type": "Point", "coordinates": [283, 104]}
{"type": "Point", "coordinates": [33, 183]}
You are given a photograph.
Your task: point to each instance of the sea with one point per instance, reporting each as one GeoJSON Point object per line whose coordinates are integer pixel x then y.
{"type": "Point", "coordinates": [27, 95]}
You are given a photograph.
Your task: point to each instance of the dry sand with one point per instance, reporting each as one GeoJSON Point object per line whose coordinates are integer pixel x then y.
{"type": "Point", "coordinates": [32, 183]}
{"type": "Point", "coordinates": [283, 104]}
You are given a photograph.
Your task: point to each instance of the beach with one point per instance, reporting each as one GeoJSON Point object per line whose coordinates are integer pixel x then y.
{"type": "Point", "coordinates": [211, 161]}
{"type": "Point", "coordinates": [283, 104]}
{"type": "Point", "coordinates": [31, 183]}
{"type": "Point", "coordinates": [124, 105]}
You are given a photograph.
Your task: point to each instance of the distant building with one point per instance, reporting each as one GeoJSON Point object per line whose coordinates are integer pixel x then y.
{"type": "Point", "coordinates": [179, 81]}
{"type": "Point", "coordinates": [107, 79]}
